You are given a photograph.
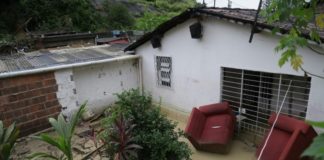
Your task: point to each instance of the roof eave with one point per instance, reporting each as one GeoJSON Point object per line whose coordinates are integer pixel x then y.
{"type": "Point", "coordinates": [164, 27]}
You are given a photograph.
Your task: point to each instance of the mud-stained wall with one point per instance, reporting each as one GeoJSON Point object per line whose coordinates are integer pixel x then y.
{"type": "Point", "coordinates": [66, 90]}
{"type": "Point", "coordinates": [98, 84]}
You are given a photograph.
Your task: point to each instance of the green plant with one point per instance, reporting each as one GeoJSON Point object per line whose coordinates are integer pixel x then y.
{"type": "Point", "coordinates": [121, 140]}
{"type": "Point", "coordinates": [8, 137]}
{"type": "Point", "coordinates": [48, 15]}
{"type": "Point", "coordinates": [299, 14]}
{"type": "Point", "coordinates": [150, 21]}
{"type": "Point", "coordinates": [153, 131]}
{"type": "Point", "coordinates": [62, 141]}
{"type": "Point", "coordinates": [118, 16]}
{"type": "Point", "coordinates": [316, 149]}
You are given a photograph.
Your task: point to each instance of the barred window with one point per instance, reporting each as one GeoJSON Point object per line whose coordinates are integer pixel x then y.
{"type": "Point", "coordinates": [163, 71]}
{"type": "Point", "coordinates": [253, 95]}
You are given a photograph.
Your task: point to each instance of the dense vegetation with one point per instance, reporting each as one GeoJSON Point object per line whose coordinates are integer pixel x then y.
{"type": "Point", "coordinates": [154, 136]}
{"type": "Point", "coordinates": [165, 9]}
{"type": "Point", "coordinates": [20, 16]}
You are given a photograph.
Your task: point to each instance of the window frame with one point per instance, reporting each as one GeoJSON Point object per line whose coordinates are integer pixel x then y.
{"type": "Point", "coordinates": [158, 79]}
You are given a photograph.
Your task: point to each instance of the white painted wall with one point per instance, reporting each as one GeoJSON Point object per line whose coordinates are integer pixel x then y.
{"type": "Point", "coordinates": [65, 94]}
{"type": "Point", "coordinates": [197, 63]}
{"type": "Point", "coordinates": [98, 83]}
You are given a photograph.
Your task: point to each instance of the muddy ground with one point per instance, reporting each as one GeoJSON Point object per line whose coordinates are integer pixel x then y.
{"type": "Point", "coordinates": [85, 145]}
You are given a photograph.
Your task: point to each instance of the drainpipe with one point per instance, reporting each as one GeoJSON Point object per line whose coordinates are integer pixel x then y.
{"type": "Point", "coordinates": [140, 67]}
{"type": "Point", "coordinates": [59, 67]}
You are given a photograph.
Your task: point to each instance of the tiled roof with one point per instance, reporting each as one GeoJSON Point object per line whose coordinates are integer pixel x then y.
{"type": "Point", "coordinates": [248, 16]}
{"type": "Point", "coordinates": [48, 58]}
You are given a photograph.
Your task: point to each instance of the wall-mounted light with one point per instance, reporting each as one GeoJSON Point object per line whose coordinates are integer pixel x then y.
{"type": "Point", "coordinates": [156, 41]}
{"type": "Point", "coordinates": [196, 30]}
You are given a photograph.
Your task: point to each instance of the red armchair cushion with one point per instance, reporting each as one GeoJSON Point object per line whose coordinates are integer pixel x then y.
{"type": "Point", "coordinates": [218, 129]}
{"type": "Point", "coordinates": [277, 142]}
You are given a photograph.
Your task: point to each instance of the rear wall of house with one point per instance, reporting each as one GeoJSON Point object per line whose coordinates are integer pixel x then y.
{"type": "Point", "coordinates": [197, 64]}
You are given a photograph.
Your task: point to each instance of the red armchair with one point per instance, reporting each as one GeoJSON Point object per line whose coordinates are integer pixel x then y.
{"type": "Point", "coordinates": [288, 140]}
{"type": "Point", "coordinates": [211, 127]}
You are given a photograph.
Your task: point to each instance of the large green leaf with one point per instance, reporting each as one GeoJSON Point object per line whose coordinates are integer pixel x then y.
{"type": "Point", "coordinates": [13, 136]}
{"type": "Point", "coordinates": [316, 149]}
{"type": "Point", "coordinates": [76, 116]}
{"type": "Point", "coordinates": [9, 131]}
{"type": "Point", "coordinates": [63, 125]}
{"type": "Point", "coordinates": [51, 140]}
{"type": "Point", "coordinates": [1, 131]}
{"type": "Point", "coordinates": [6, 151]}
{"type": "Point", "coordinates": [65, 130]}
{"type": "Point", "coordinates": [8, 139]}
{"type": "Point", "coordinates": [316, 124]}
{"type": "Point", "coordinates": [55, 125]}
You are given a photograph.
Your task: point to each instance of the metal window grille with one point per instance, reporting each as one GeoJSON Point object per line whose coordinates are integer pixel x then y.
{"type": "Point", "coordinates": [254, 95]}
{"type": "Point", "coordinates": [163, 71]}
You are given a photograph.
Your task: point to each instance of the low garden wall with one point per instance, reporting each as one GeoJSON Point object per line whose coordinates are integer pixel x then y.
{"type": "Point", "coordinates": [29, 101]}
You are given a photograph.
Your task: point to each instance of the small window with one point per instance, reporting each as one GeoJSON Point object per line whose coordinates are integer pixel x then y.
{"type": "Point", "coordinates": [163, 71]}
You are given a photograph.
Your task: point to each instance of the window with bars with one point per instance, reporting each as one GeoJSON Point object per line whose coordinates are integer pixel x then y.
{"type": "Point", "coordinates": [254, 95]}
{"type": "Point", "coordinates": [163, 67]}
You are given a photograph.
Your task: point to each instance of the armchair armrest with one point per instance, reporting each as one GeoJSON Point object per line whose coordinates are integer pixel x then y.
{"type": "Point", "coordinates": [294, 146]}
{"type": "Point", "coordinates": [195, 127]}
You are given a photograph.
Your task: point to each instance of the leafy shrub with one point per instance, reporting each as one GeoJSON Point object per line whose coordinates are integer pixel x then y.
{"type": "Point", "coordinates": [153, 131]}
{"type": "Point", "coordinates": [62, 141]}
{"type": "Point", "coordinates": [8, 137]}
{"type": "Point", "coordinates": [120, 140]}
{"type": "Point", "coordinates": [316, 149]}
{"type": "Point", "coordinates": [150, 21]}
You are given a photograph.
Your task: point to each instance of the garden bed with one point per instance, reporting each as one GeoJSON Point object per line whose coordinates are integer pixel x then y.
{"type": "Point", "coordinates": [83, 144]}
{"type": "Point", "coordinates": [133, 128]}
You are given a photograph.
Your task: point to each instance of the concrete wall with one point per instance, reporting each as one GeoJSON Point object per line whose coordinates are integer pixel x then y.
{"type": "Point", "coordinates": [98, 83]}
{"type": "Point", "coordinates": [66, 90]}
{"type": "Point", "coordinates": [197, 63]}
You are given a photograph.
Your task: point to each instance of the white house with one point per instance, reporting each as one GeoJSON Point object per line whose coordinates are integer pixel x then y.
{"type": "Point", "coordinates": [223, 66]}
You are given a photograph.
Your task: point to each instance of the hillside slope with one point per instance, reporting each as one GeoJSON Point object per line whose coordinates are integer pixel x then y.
{"type": "Point", "coordinates": [150, 13]}
{"type": "Point", "coordinates": [44, 16]}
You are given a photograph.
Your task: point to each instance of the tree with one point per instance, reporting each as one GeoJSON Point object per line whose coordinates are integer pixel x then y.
{"type": "Point", "coordinates": [10, 13]}
{"type": "Point", "coordinates": [117, 16]}
{"type": "Point", "coordinates": [58, 15]}
{"type": "Point", "coordinates": [299, 14]}
{"type": "Point", "coordinates": [149, 21]}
